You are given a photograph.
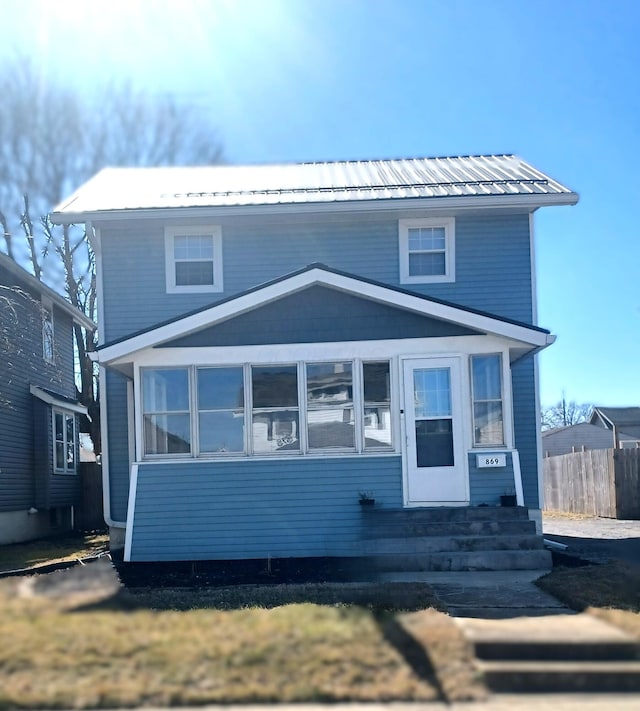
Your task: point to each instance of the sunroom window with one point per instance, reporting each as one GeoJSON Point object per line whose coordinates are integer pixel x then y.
{"type": "Point", "coordinates": [221, 409]}
{"type": "Point", "coordinates": [376, 383]}
{"type": "Point", "coordinates": [330, 418]}
{"type": "Point", "coordinates": [275, 423]}
{"type": "Point", "coordinates": [166, 411]}
{"type": "Point", "coordinates": [488, 418]}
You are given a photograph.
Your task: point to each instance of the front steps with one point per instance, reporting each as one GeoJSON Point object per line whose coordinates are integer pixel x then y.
{"type": "Point", "coordinates": [479, 538]}
{"type": "Point", "coordinates": [555, 654]}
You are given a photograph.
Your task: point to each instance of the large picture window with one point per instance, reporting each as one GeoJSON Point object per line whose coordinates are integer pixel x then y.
{"type": "Point", "coordinates": [296, 408]}
{"type": "Point", "coordinates": [64, 442]}
{"type": "Point", "coordinates": [488, 418]}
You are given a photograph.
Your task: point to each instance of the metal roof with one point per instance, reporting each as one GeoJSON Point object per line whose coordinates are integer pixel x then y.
{"type": "Point", "coordinates": [117, 189]}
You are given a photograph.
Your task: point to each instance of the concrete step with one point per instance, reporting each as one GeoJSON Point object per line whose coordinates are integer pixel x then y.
{"type": "Point", "coordinates": [559, 650]}
{"type": "Point", "coordinates": [537, 559]}
{"type": "Point", "coordinates": [447, 514]}
{"type": "Point", "coordinates": [554, 676]}
{"type": "Point", "coordinates": [381, 528]}
{"type": "Point", "coordinates": [439, 544]}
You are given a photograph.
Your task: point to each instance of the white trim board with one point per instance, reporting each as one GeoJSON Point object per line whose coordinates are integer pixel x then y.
{"type": "Point", "coordinates": [57, 402]}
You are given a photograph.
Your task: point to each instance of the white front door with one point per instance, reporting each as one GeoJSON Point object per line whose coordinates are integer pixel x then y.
{"type": "Point", "coordinates": [435, 467]}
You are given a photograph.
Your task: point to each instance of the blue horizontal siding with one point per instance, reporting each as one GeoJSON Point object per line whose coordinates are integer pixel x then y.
{"type": "Point", "coordinates": [257, 509]}
{"type": "Point", "coordinates": [492, 263]}
{"type": "Point", "coordinates": [487, 485]}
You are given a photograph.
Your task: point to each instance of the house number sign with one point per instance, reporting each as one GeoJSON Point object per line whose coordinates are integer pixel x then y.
{"type": "Point", "coordinates": [491, 460]}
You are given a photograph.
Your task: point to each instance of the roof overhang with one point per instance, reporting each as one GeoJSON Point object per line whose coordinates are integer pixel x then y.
{"type": "Point", "coordinates": [66, 215]}
{"type": "Point", "coordinates": [529, 338]}
{"type": "Point", "coordinates": [62, 403]}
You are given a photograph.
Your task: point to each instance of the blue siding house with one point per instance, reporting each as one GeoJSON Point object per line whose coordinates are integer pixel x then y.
{"type": "Point", "coordinates": [277, 340]}
{"type": "Point", "coordinates": [39, 485]}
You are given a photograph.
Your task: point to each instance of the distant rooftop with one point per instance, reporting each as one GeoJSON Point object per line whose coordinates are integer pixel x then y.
{"type": "Point", "coordinates": [117, 189]}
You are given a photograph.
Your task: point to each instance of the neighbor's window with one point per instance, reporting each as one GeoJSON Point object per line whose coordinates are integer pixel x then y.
{"type": "Point", "coordinates": [221, 409]}
{"type": "Point", "coordinates": [427, 250]}
{"type": "Point", "coordinates": [193, 259]}
{"type": "Point", "coordinates": [166, 414]}
{"type": "Point", "coordinates": [275, 419]}
{"type": "Point", "coordinates": [377, 405]}
{"type": "Point", "coordinates": [64, 442]}
{"type": "Point", "coordinates": [330, 417]}
{"type": "Point", "coordinates": [488, 417]}
{"type": "Point", "coordinates": [48, 352]}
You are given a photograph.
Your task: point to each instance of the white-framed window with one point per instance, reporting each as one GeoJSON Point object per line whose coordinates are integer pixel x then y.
{"type": "Point", "coordinates": [427, 250]}
{"type": "Point", "coordinates": [264, 409]}
{"type": "Point", "coordinates": [166, 408]}
{"type": "Point", "coordinates": [48, 343]}
{"type": "Point", "coordinates": [488, 407]}
{"type": "Point", "coordinates": [64, 442]}
{"type": "Point", "coordinates": [193, 259]}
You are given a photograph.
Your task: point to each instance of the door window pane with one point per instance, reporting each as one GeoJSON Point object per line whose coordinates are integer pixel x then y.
{"type": "Point", "coordinates": [434, 443]}
{"type": "Point", "coordinates": [432, 392]}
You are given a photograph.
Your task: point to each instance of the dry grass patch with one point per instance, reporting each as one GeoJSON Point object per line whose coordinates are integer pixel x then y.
{"type": "Point", "coordinates": [118, 657]}
{"type": "Point", "coordinates": [18, 556]}
{"type": "Point", "coordinates": [615, 585]}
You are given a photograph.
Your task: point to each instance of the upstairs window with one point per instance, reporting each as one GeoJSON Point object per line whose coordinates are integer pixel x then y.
{"type": "Point", "coordinates": [488, 418]}
{"type": "Point", "coordinates": [48, 352]}
{"type": "Point", "coordinates": [64, 442]}
{"type": "Point", "coordinates": [193, 258]}
{"type": "Point", "coordinates": [427, 250]}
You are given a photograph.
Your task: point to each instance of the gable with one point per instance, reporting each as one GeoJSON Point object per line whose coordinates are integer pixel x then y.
{"type": "Point", "coordinates": [319, 314]}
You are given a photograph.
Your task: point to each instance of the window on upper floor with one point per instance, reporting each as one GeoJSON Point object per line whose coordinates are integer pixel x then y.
{"type": "Point", "coordinates": [64, 442]}
{"type": "Point", "coordinates": [48, 350]}
{"type": "Point", "coordinates": [427, 250]}
{"type": "Point", "coordinates": [193, 259]}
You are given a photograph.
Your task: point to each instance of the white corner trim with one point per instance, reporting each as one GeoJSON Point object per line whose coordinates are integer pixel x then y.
{"type": "Point", "coordinates": [319, 276]}
{"type": "Point", "coordinates": [517, 477]}
{"type": "Point", "coordinates": [56, 402]}
{"type": "Point", "coordinates": [128, 536]}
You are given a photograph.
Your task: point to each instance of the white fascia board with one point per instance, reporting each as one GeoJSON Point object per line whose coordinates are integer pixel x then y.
{"type": "Point", "coordinates": [448, 204]}
{"type": "Point", "coordinates": [56, 402]}
{"type": "Point", "coordinates": [317, 276]}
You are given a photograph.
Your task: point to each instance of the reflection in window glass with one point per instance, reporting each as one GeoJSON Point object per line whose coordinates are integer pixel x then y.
{"type": "Point", "coordinates": [488, 421]}
{"type": "Point", "coordinates": [330, 416]}
{"type": "Point", "coordinates": [221, 409]}
{"type": "Point", "coordinates": [166, 415]}
{"type": "Point", "coordinates": [377, 405]}
{"type": "Point", "coordinates": [275, 422]}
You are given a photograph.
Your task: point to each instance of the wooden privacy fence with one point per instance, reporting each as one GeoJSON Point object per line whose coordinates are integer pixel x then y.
{"type": "Point", "coordinates": [89, 513]}
{"type": "Point", "coordinates": [599, 482]}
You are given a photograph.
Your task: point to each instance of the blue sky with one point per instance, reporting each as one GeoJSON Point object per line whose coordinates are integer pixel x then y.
{"type": "Point", "coordinates": [290, 80]}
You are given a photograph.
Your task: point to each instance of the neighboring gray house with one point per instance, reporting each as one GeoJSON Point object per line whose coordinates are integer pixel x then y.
{"type": "Point", "coordinates": [575, 438]}
{"type": "Point", "coordinates": [276, 339]}
{"type": "Point", "coordinates": [38, 412]}
{"type": "Point", "coordinates": [623, 423]}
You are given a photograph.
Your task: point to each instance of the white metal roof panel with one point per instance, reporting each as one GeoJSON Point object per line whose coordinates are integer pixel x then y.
{"type": "Point", "coordinates": [116, 189]}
